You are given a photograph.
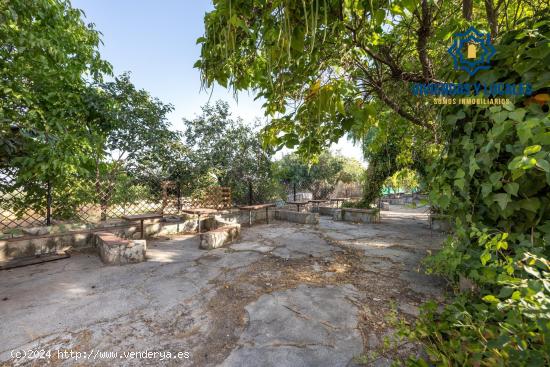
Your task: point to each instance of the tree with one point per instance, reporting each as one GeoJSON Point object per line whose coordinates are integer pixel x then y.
{"type": "Point", "coordinates": [493, 181]}
{"type": "Point", "coordinates": [228, 149]}
{"type": "Point", "coordinates": [330, 67]}
{"type": "Point", "coordinates": [405, 179]}
{"type": "Point", "coordinates": [46, 55]}
{"type": "Point", "coordinates": [319, 177]}
{"type": "Point", "coordinates": [59, 120]}
{"type": "Point", "coordinates": [133, 144]}
{"type": "Point", "coordinates": [137, 135]}
{"type": "Point", "coordinates": [352, 171]}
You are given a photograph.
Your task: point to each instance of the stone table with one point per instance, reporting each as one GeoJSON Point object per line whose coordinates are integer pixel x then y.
{"type": "Point", "coordinates": [199, 212]}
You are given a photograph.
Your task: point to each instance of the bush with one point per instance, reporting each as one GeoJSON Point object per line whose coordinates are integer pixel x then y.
{"type": "Point", "coordinates": [494, 180]}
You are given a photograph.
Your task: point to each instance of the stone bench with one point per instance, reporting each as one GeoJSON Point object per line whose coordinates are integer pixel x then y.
{"type": "Point", "coordinates": [114, 250]}
{"type": "Point", "coordinates": [327, 210]}
{"type": "Point", "coordinates": [357, 215]}
{"type": "Point", "coordinates": [297, 217]}
{"type": "Point", "coordinates": [220, 236]}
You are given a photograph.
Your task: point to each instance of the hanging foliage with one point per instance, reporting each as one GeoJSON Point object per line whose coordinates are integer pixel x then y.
{"type": "Point", "coordinates": [493, 178]}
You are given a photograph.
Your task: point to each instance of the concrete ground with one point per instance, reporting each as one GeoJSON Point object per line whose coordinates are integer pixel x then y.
{"type": "Point", "coordinates": [284, 295]}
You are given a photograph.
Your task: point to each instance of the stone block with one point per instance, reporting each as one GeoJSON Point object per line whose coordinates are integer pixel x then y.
{"type": "Point", "coordinates": [384, 205]}
{"type": "Point", "coordinates": [36, 231]}
{"type": "Point", "coordinates": [360, 215]}
{"type": "Point", "coordinates": [326, 210]}
{"type": "Point", "coordinates": [180, 227]}
{"type": "Point", "coordinates": [220, 236]}
{"type": "Point", "coordinates": [297, 217]}
{"type": "Point", "coordinates": [13, 248]}
{"type": "Point", "coordinates": [114, 250]}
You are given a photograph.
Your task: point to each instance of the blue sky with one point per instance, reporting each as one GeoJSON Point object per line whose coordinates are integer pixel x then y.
{"type": "Point", "coordinates": [156, 42]}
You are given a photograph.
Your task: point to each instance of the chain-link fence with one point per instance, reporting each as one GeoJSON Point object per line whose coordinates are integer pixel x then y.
{"type": "Point", "coordinates": [285, 191]}
{"type": "Point", "coordinates": [27, 203]}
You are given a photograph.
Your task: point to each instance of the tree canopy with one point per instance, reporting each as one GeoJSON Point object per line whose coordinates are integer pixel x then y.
{"type": "Point", "coordinates": [319, 177]}
{"type": "Point", "coordinates": [321, 65]}
{"type": "Point", "coordinates": [329, 67]}
{"type": "Point", "coordinates": [227, 149]}
{"type": "Point", "coordinates": [47, 54]}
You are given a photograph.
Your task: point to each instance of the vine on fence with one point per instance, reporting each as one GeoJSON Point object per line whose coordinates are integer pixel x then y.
{"type": "Point", "coordinates": [494, 180]}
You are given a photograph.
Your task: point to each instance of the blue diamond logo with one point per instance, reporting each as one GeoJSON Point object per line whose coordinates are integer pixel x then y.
{"type": "Point", "coordinates": [472, 51]}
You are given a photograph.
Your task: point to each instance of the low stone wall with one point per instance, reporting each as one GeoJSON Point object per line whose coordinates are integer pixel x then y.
{"type": "Point", "coordinates": [327, 210]}
{"type": "Point", "coordinates": [357, 215]}
{"type": "Point", "coordinates": [241, 216]}
{"type": "Point", "coordinates": [114, 250]}
{"type": "Point", "coordinates": [45, 240]}
{"type": "Point", "coordinates": [404, 199]}
{"type": "Point", "coordinates": [400, 201]}
{"type": "Point", "coordinates": [297, 217]}
{"type": "Point", "coordinates": [52, 239]}
{"type": "Point", "coordinates": [384, 205]}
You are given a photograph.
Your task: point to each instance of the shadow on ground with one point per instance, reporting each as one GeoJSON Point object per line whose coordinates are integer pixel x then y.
{"type": "Point", "coordinates": [284, 295]}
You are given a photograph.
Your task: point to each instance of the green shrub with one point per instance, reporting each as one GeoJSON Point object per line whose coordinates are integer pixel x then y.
{"type": "Point", "coordinates": [494, 180]}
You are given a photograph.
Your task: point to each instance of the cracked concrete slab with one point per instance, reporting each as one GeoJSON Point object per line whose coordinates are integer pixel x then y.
{"type": "Point", "coordinates": [285, 294]}
{"type": "Point", "coordinates": [252, 246]}
{"type": "Point", "coordinates": [306, 326]}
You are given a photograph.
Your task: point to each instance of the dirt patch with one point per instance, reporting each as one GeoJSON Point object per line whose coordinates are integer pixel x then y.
{"type": "Point", "coordinates": [238, 287]}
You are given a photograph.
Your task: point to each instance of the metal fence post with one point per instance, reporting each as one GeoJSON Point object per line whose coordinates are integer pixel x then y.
{"type": "Point", "coordinates": [179, 197]}
{"type": "Point", "coordinates": [294, 190]}
{"type": "Point", "coordinates": [48, 203]}
{"type": "Point", "coordinates": [249, 193]}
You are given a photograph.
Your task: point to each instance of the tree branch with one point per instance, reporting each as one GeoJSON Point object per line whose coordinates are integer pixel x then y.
{"type": "Point", "coordinates": [390, 102]}
{"type": "Point", "coordinates": [492, 17]}
{"type": "Point", "coordinates": [397, 109]}
{"type": "Point", "coordinates": [467, 9]}
{"type": "Point", "coordinates": [396, 71]}
{"type": "Point", "coordinates": [422, 45]}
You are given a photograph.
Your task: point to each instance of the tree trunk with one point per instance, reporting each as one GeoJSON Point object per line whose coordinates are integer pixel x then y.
{"type": "Point", "coordinates": [467, 9]}
{"type": "Point", "coordinates": [492, 18]}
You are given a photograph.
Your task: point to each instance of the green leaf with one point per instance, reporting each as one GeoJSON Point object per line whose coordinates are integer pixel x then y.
{"type": "Point", "coordinates": [511, 188]}
{"type": "Point", "coordinates": [543, 164]}
{"type": "Point", "coordinates": [505, 292]}
{"type": "Point", "coordinates": [485, 257]}
{"type": "Point", "coordinates": [525, 129]}
{"type": "Point", "coordinates": [473, 166]}
{"type": "Point", "coordinates": [500, 116]}
{"type": "Point", "coordinates": [531, 204]}
{"type": "Point", "coordinates": [491, 299]}
{"type": "Point", "coordinates": [486, 189]}
{"type": "Point", "coordinates": [502, 199]}
{"type": "Point", "coordinates": [517, 115]}
{"type": "Point", "coordinates": [495, 178]}
{"type": "Point", "coordinates": [532, 149]}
